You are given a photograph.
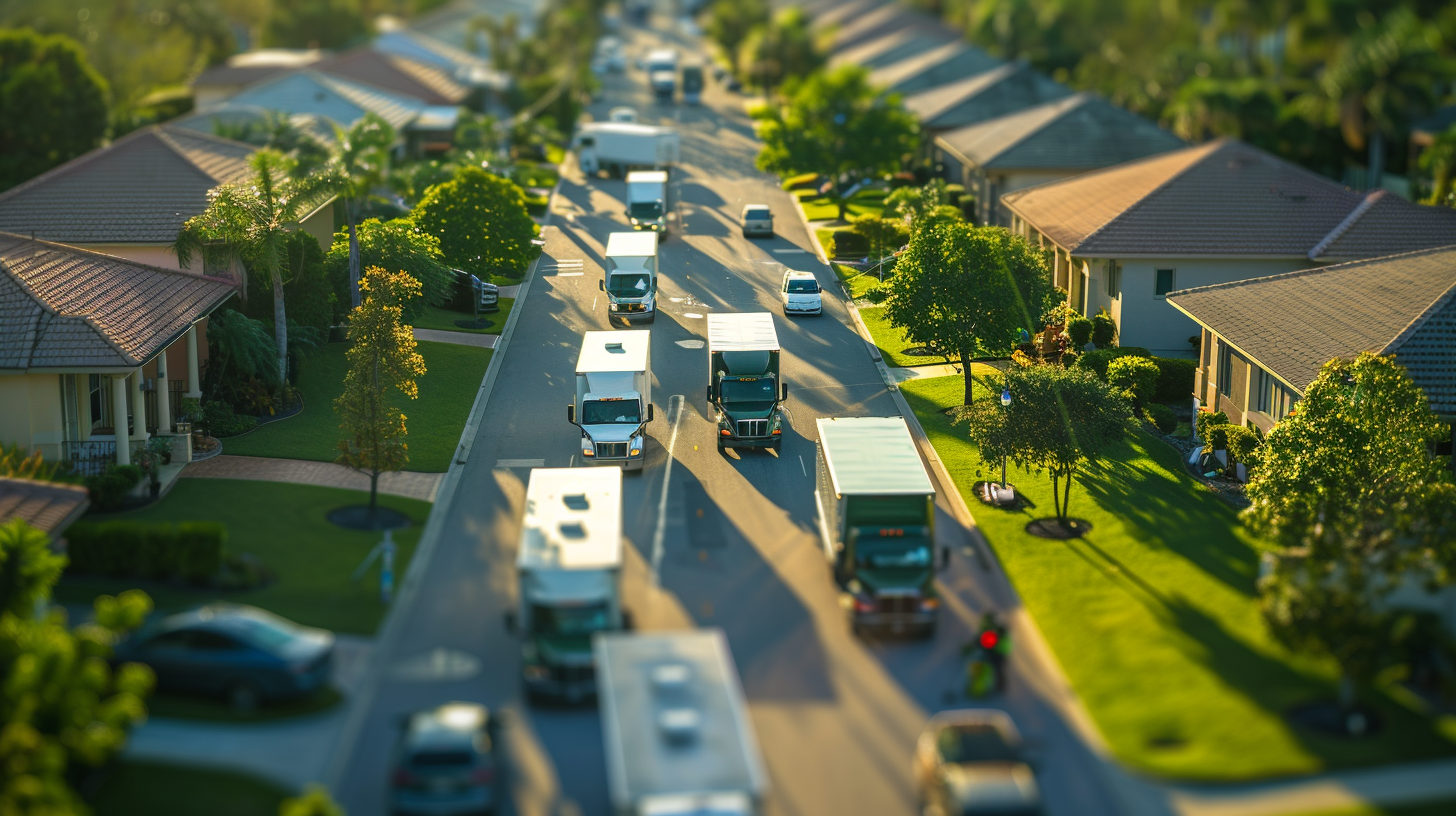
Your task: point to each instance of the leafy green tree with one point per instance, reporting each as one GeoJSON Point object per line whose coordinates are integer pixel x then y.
{"type": "Point", "coordinates": [1350, 493]}
{"type": "Point", "coordinates": [920, 207]}
{"type": "Point", "coordinates": [361, 161]}
{"type": "Point", "coordinates": [276, 130]}
{"type": "Point", "coordinates": [315, 24]}
{"type": "Point", "coordinates": [382, 358]}
{"type": "Point", "coordinates": [731, 21]}
{"type": "Point", "coordinates": [784, 47]}
{"type": "Point", "coordinates": [966, 291]}
{"type": "Point", "coordinates": [835, 123]}
{"type": "Point", "coordinates": [252, 219]}
{"type": "Point", "coordinates": [1439, 160]}
{"type": "Point", "coordinates": [885, 235]}
{"type": "Point", "coordinates": [399, 246]}
{"type": "Point", "coordinates": [28, 568]}
{"type": "Point", "coordinates": [53, 104]}
{"type": "Point", "coordinates": [481, 221]}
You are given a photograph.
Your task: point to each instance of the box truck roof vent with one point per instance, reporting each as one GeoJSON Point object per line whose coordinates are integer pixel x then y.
{"type": "Point", "coordinates": [576, 501]}
{"type": "Point", "coordinates": [670, 677]}
{"type": "Point", "coordinates": [615, 348]}
{"type": "Point", "coordinates": [679, 726]}
{"type": "Point", "coordinates": [573, 529]}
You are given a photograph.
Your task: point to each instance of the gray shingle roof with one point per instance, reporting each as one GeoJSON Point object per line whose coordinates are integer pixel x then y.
{"type": "Point", "coordinates": [1081, 132]}
{"type": "Point", "coordinates": [996, 92]}
{"type": "Point", "coordinates": [47, 506]}
{"type": "Point", "coordinates": [393, 72]}
{"type": "Point", "coordinates": [1222, 199]}
{"type": "Point", "coordinates": [843, 14]}
{"type": "Point", "coordinates": [310, 93]}
{"type": "Point", "coordinates": [933, 68]}
{"type": "Point", "coordinates": [891, 48]}
{"type": "Point", "coordinates": [66, 307]}
{"type": "Point", "coordinates": [878, 22]}
{"type": "Point", "coordinates": [1293, 324]}
{"type": "Point", "coordinates": [136, 190]}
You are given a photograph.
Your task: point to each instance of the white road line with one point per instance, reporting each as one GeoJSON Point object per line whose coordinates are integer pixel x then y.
{"type": "Point", "coordinates": [788, 251]}
{"type": "Point", "coordinates": [569, 274]}
{"type": "Point", "coordinates": [801, 466]}
{"type": "Point", "coordinates": [657, 536]}
{"type": "Point", "coordinates": [522, 463]}
{"type": "Point", "coordinates": [594, 304]}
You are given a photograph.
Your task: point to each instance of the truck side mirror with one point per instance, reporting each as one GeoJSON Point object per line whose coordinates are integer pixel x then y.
{"type": "Point", "coordinates": [649, 412]}
{"type": "Point", "coordinates": [602, 285]}
{"type": "Point", "coordinates": [785, 392]}
{"type": "Point", "coordinates": [510, 621]}
{"type": "Point", "coordinates": [710, 395]}
{"type": "Point", "coordinates": [944, 557]}
{"type": "Point", "coordinates": [571, 414]}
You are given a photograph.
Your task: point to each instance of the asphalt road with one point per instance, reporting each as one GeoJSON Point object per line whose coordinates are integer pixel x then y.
{"type": "Point", "coordinates": [728, 540]}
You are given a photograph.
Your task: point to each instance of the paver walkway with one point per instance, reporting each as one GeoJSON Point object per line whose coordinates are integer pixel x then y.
{"type": "Point", "coordinates": [458, 338]}
{"type": "Point", "coordinates": [296, 471]}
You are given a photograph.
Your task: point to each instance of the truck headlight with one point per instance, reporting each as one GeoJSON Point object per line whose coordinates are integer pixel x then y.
{"type": "Point", "coordinates": [534, 672]}
{"type": "Point", "coordinates": [611, 307]}
{"type": "Point", "coordinates": [636, 447]}
{"type": "Point", "coordinates": [587, 448]}
{"type": "Point", "coordinates": [635, 222]}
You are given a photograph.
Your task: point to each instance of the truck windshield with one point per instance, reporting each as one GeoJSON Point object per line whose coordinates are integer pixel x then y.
{"type": "Point", "coordinates": [692, 79]}
{"type": "Point", "coordinates": [802, 286]}
{"type": "Point", "coordinates": [611, 412]}
{"type": "Point", "coordinates": [629, 284]}
{"type": "Point", "coordinates": [893, 552]}
{"type": "Point", "coordinates": [645, 209]}
{"type": "Point", "coordinates": [579, 619]}
{"type": "Point", "coordinates": [751, 395]}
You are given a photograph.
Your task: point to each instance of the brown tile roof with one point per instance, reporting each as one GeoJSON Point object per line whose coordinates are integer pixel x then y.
{"type": "Point", "coordinates": [982, 97]}
{"type": "Point", "coordinates": [1081, 132]}
{"type": "Point", "coordinates": [1293, 324]}
{"type": "Point", "coordinates": [396, 73]}
{"type": "Point", "coordinates": [1223, 199]}
{"type": "Point", "coordinates": [47, 506]}
{"type": "Point", "coordinates": [136, 190]}
{"type": "Point", "coordinates": [62, 307]}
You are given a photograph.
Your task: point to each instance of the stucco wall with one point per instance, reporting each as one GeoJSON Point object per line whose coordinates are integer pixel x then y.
{"type": "Point", "coordinates": [321, 226]}
{"type": "Point", "coordinates": [150, 254]}
{"type": "Point", "coordinates": [30, 412]}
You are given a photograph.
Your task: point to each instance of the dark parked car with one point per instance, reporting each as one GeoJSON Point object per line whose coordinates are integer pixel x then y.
{"type": "Point", "coordinates": [445, 762]}
{"type": "Point", "coordinates": [243, 654]}
{"type": "Point", "coordinates": [973, 762]}
{"type": "Point", "coordinates": [469, 288]}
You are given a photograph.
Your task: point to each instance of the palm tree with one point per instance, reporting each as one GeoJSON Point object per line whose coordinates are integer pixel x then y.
{"type": "Point", "coordinates": [360, 160]}
{"type": "Point", "coordinates": [251, 219]}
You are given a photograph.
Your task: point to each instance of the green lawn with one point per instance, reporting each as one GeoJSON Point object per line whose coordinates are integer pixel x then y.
{"type": "Point", "coordinates": [1444, 807]}
{"type": "Point", "coordinates": [286, 527]}
{"type": "Point", "coordinates": [435, 419]}
{"type": "Point", "coordinates": [438, 317]}
{"type": "Point", "coordinates": [891, 341]}
{"type": "Point", "coordinates": [154, 789]}
{"type": "Point", "coordinates": [858, 284]}
{"type": "Point", "coordinates": [1154, 618]}
{"type": "Point", "coordinates": [820, 208]}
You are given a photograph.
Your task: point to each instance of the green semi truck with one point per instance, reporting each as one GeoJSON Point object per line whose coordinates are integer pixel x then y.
{"type": "Point", "coordinates": [744, 392]}
{"type": "Point", "coordinates": [877, 521]}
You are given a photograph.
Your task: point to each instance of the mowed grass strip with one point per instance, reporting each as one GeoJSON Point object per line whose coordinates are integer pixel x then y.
{"type": "Point", "coordinates": [1155, 619]}
{"type": "Point", "coordinates": [286, 526]}
{"type": "Point", "coordinates": [892, 342]}
{"type": "Point", "coordinates": [133, 788]}
{"type": "Point", "coordinates": [442, 319]}
{"type": "Point", "coordinates": [822, 208]}
{"type": "Point", "coordinates": [435, 419]}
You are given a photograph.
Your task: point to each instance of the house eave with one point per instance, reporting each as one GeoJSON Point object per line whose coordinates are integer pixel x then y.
{"type": "Point", "coordinates": [1236, 347]}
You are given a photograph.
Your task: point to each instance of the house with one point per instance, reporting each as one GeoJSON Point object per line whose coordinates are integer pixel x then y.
{"type": "Point", "coordinates": [892, 48]}
{"type": "Point", "coordinates": [431, 84]}
{"type": "Point", "coordinates": [1044, 143]}
{"type": "Point", "coordinates": [456, 24]}
{"type": "Point", "coordinates": [933, 68]}
{"type": "Point", "coordinates": [872, 23]}
{"type": "Point", "coordinates": [993, 93]}
{"type": "Point", "coordinates": [473, 71]}
{"type": "Point", "coordinates": [1265, 339]}
{"type": "Point", "coordinates": [221, 82]}
{"type": "Point", "coordinates": [1125, 236]}
{"type": "Point", "coordinates": [835, 16]}
{"type": "Point", "coordinates": [96, 351]}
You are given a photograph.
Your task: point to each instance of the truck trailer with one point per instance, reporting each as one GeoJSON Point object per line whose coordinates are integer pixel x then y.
{"type": "Point", "coordinates": [619, 147]}
{"type": "Point", "coordinates": [647, 205]}
{"type": "Point", "coordinates": [744, 391]}
{"type": "Point", "coordinates": [613, 397]}
{"type": "Point", "coordinates": [569, 569]}
{"type": "Point", "coordinates": [630, 277]}
{"type": "Point", "coordinates": [675, 726]}
{"type": "Point", "coordinates": [877, 522]}
{"type": "Point", "coordinates": [692, 84]}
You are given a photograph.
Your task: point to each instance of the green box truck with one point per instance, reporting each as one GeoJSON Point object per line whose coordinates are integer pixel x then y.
{"type": "Point", "coordinates": [744, 392]}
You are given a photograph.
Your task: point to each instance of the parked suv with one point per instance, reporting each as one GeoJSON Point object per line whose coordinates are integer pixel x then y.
{"type": "Point", "coordinates": [757, 220]}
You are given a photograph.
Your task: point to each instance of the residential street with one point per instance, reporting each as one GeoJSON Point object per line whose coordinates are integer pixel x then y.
{"type": "Point", "coordinates": [725, 540]}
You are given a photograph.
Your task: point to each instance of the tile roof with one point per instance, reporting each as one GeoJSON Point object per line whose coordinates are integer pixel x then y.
{"type": "Point", "coordinates": [392, 72]}
{"type": "Point", "coordinates": [891, 48]}
{"type": "Point", "coordinates": [1009, 88]}
{"type": "Point", "coordinates": [1293, 324]}
{"type": "Point", "coordinates": [66, 307]}
{"type": "Point", "coordinates": [255, 66]}
{"type": "Point", "coordinates": [47, 506]}
{"type": "Point", "coordinates": [136, 190]}
{"type": "Point", "coordinates": [1222, 199]}
{"type": "Point", "coordinates": [1080, 132]}
{"type": "Point", "coordinates": [934, 67]}
{"type": "Point", "coordinates": [470, 69]}
{"type": "Point", "coordinates": [843, 14]}
{"type": "Point", "coordinates": [319, 95]}
{"type": "Point", "coordinates": [878, 22]}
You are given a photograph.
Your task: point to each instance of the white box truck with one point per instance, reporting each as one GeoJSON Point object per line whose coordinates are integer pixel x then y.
{"type": "Point", "coordinates": [661, 66]}
{"type": "Point", "coordinates": [630, 277]}
{"type": "Point", "coordinates": [569, 570]}
{"type": "Point", "coordinates": [613, 397]}
{"type": "Point", "coordinates": [618, 147]}
{"type": "Point", "coordinates": [647, 205]}
{"type": "Point", "coordinates": [675, 726]}
{"type": "Point", "coordinates": [744, 392]}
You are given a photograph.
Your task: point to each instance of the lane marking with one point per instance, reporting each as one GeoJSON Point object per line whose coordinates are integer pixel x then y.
{"type": "Point", "coordinates": [661, 531]}
{"type": "Point", "coordinates": [522, 463]}
{"type": "Point", "coordinates": [594, 304]}
{"type": "Point", "coordinates": [789, 251]}
{"type": "Point", "coordinates": [691, 344]}
{"type": "Point", "coordinates": [693, 315]}
{"type": "Point", "coordinates": [568, 274]}
{"type": "Point", "coordinates": [801, 466]}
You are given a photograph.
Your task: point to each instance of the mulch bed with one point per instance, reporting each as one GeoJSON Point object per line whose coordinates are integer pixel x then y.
{"type": "Point", "coordinates": [1326, 717]}
{"type": "Point", "coordinates": [358, 517]}
{"type": "Point", "coordinates": [1054, 529]}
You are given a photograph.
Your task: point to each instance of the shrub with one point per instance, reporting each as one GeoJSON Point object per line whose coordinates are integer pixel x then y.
{"type": "Point", "coordinates": [109, 488]}
{"type": "Point", "coordinates": [803, 181]}
{"type": "Point", "coordinates": [190, 552]}
{"type": "Point", "coordinates": [1212, 429]}
{"type": "Point", "coordinates": [1136, 376]}
{"type": "Point", "coordinates": [1242, 445]}
{"type": "Point", "coordinates": [536, 205]}
{"type": "Point", "coordinates": [954, 193]}
{"type": "Point", "coordinates": [1098, 359]}
{"type": "Point", "coordinates": [847, 244]}
{"type": "Point", "coordinates": [1079, 332]}
{"type": "Point", "coordinates": [1104, 330]}
{"type": "Point", "coordinates": [221, 420]}
{"type": "Point", "coordinates": [1162, 416]}
{"type": "Point", "coordinates": [1175, 379]}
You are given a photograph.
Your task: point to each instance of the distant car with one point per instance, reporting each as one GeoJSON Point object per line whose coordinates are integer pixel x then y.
{"type": "Point", "coordinates": [757, 220]}
{"type": "Point", "coordinates": [445, 762]}
{"type": "Point", "coordinates": [469, 290]}
{"type": "Point", "coordinates": [242, 654]}
{"type": "Point", "coordinates": [733, 84]}
{"type": "Point", "coordinates": [800, 293]}
{"type": "Point", "coordinates": [622, 114]}
{"type": "Point", "coordinates": [972, 762]}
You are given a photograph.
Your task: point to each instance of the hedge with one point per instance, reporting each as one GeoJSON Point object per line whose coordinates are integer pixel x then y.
{"type": "Point", "coordinates": [1163, 417]}
{"type": "Point", "coordinates": [1175, 379]}
{"type": "Point", "coordinates": [109, 488]}
{"type": "Point", "coordinates": [1098, 359]}
{"type": "Point", "coordinates": [189, 551]}
{"type": "Point", "coordinates": [1136, 376]}
{"type": "Point", "coordinates": [846, 244]}
{"type": "Point", "coordinates": [803, 181]}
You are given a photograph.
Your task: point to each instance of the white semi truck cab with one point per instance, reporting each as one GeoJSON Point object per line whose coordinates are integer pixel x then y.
{"type": "Point", "coordinates": [569, 569]}
{"type": "Point", "coordinates": [630, 278]}
{"type": "Point", "coordinates": [613, 397]}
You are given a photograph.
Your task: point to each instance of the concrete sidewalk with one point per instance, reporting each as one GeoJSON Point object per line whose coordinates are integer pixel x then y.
{"type": "Point", "coordinates": [459, 338]}
{"type": "Point", "coordinates": [326, 474]}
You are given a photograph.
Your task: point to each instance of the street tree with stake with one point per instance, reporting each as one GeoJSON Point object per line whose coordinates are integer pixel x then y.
{"type": "Point", "coordinates": [481, 221]}
{"type": "Point", "coordinates": [382, 358]}
{"type": "Point", "coordinates": [1349, 492]}
{"type": "Point", "coordinates": [965, 291]}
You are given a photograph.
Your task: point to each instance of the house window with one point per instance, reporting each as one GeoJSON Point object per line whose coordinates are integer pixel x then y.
{"type": "Point", "coordinates": [1163, 282]}
{"type": "Point", "coordinates": [1225, 369]}
{"type": "Point", "coordinates": [99, 387]}
{"type": "Point", "coordinates": [1114, 279]}
{"type": "Point", "coordinates": [1275, 399]}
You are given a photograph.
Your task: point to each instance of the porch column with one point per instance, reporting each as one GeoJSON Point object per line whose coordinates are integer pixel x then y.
{"type": "Point", "coordinates": [138, 406]}
{"type": "Point", "coordinates": [164, 397]}
{"type": "Point", "coordinates": [194, 382]}
{"type": "Point", "coordinates": [118, 419]}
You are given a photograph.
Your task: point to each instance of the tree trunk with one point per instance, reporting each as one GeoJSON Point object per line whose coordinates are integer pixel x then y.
{"type": "Point", "coordinates": [1377, 159]}
{"type": "Point", "coordinates": [1056, 495]}
{"type": "Point", "coordinates": [354, 271]}
{"type": "Point", "coordinates": [1441, 186]}
{"type": "Point", "coordinates": [842, 203]}
{"type": "Point", "coordinates": [373, 493]}
{"type": "Point", "coordinates": [1067, 499]}
{"type": "Point", "coordinates": [1347, 692]}
{"type": "Point", "coordinates": [966, 372]}
{"type": "Point", "coordinates": [280, 333]}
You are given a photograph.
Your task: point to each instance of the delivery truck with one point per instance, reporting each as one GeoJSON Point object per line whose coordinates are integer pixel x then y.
{"type": "Point", "coordinates": [569, 570]}
{"type": "Point", "coordinates": [630, 277]}
{"type": "Point", "coordinates": [692, 84]}
{"type": "Point", "coordinates": [877, 522]}
{"type": "Point", "coordinates": [744, 391]}
{"type": "Point", "coordinates": [613, 397]}
{"type": "Point", "coordinates": [620, 147]}
{"type": "Point", "coordinates": [675, 726]}
{"type": "Point", "coordinates": [647, 206]}
{"type": "Point", "coordinates": [661, 66]}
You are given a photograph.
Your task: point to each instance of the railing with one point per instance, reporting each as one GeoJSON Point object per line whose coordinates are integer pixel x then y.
{"type": "Point", "coordinates": [91, 457]}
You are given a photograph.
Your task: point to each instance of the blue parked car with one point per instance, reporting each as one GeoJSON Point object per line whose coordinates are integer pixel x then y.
{"type": "Point", "coordinates": [243, 654]}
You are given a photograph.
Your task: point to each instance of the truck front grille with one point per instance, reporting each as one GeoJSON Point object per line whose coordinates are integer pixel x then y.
{"type": "Point", "coordinates": [611, 450]}
{"type": "Point", "coordinates": [575, 674]}
{"type": "Point", "coordinates": [899, 604]}
{"type": "Point", "coordinates": [629, 307]}
{"type": "Point", "coordinates": [753, 427]}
